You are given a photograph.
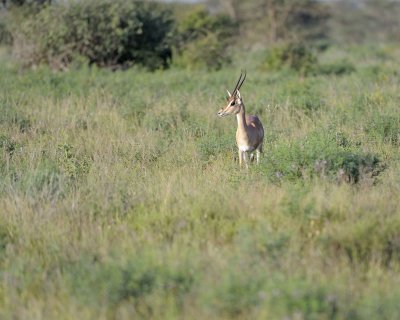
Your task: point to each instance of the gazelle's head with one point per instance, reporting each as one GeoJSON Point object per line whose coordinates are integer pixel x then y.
{"type": "Point", "coordinates": [234, 101]}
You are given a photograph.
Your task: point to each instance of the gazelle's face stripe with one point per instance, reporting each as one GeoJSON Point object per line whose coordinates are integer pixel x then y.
{"type": "Point", "coordinates": [232, 107]}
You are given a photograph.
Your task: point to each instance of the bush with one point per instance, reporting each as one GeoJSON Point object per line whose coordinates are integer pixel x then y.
{"type": "Point", "coordinates": [106, 33]}
{"type": "Point", "coordinates": [338, 68]}
{"type": "Point", "coordinates": [202, 40]}
{"type": "Point", "coordinates": [72, 166]}
{"type": "Point", "coordinates": [7, 145]}
{"type": "Point", "coordinates": [207, 52]}
{"type": "Point", "coordinates": [5, 35]}
{"type": "Point", "coordinates": [328, 155]}
{"type": "Point", "coordinates": [301, 59]}
{"type": "Point", "coordinates": [376, 238]}
{"type": "Point", "coordinates": [291, 56]}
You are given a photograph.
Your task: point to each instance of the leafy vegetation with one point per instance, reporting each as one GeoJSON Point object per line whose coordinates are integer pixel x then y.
{"type": "Point", "coordinates": [204, 40]}
{"type": "Point", "coordinates": [120, 191]}
{"type": "Point", "coordinates": [105, 33]}
{"type": "Point", "coordinates": [299, 58]}
{"type": "Point", "coordinates": [121, 194]}
{"type": "Point", "coordinates": [291, 56]}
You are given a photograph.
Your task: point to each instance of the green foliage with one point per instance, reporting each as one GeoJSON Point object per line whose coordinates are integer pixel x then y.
{"type": "Point", "coordinates": [4, 238]}
{"type": "Point", "coordinates": [207, 52]}
{"type": "Point", "coordinates": [275, 21]}
{"type": "Point", "coordinates": [302, 95]}
{"type": "Point", "coordinates": [307, 300]}
{"type": "Point", "coordinates": [367, 239]}
{"type": "Point", "coordinates": [10, 114]}
{"type": "Point", "coordinates": [204, 40]}
{"type": "Point", "coordinates": [5, 34]}
{"type": "Point", "coordinates": [44, 180]}
{"type": "Point", "coordinates": [135, 281]}
{"type": "Point", "coordinates": [72, 166]}
{"type": "Point", "coordinates": [26, 2]}
{"type": "Point", "coordinates": [7, 150]}
{"type": "Point", "coordinates": [292, 56]}
{"type": "Point", "coordinates": [106, 33]}
{"type": "Point", "coordinates": [7, 145]}
{"type": "Point", "coordinates": [199, 22]}
{"type": "Point", "coordinates": [236, 294]}
{"type": "Point", "coordinates": [327, 154]}
{"type": "Point", "coordinates": [211, 146]}
{"type": "Point", "coordinates": [303, 60]}
{"type": "Point", "coordinates": [121, 196]}
{"type": "Point", "coordinates": [385, 128]}
{"type": "Point", "coordinates": [338, 68]}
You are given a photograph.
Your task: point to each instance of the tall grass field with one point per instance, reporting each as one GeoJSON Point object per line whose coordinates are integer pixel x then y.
{"type": "Point", "coordinates": [121, 196]}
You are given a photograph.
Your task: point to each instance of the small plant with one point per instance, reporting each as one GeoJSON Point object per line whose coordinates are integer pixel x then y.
{"type": "Point", "coordinates": [7, 145]}
{"type": "Point", "coordinates": [73, 166]}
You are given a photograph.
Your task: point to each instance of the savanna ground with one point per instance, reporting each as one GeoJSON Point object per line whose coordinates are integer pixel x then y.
{"type": "Point", "coordinates": [121, 196]}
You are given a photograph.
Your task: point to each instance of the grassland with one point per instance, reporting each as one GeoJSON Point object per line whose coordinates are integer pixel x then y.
{"type": "Point", "coordinates": [121, 197]}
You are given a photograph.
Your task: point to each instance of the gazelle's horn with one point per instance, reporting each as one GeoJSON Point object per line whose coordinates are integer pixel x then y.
{"type": "Point", "coordinates": [240, 82]}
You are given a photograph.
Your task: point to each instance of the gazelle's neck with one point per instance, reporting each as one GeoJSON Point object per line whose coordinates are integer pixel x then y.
{"type": "Point", "coordinates": [241, 118]}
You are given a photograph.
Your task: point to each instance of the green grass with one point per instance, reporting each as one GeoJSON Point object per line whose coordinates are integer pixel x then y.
{"type": "Point", "coordinates": [121, 196]}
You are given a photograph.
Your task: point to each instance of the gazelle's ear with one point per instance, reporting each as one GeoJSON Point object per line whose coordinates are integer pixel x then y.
{"type": "Point", "coordinates": [238, 94]}
{"type": "Point", "coordinates": [229, 94]}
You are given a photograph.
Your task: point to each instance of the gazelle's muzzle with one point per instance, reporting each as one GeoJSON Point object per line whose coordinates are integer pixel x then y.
{"type": "Point", "coordinates": [222, 113]}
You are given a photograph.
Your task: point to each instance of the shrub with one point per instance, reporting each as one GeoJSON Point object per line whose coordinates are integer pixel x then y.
{"type": "Point", "coordinates": [366, 240]}
{"type": "Point", "coordinates": [338, 68]}
{"type": "Point", "coordinates": [206, 52]}
{"type": "Point", "coordinates": [107, 33]}
{"type": "Point", "coordinates": [73, 167]}
{"type": "Point", "coordinates": [291, 56]}
{"type": "Point", "coordinates": [7, 145]}
{"type": "Point", "coordinates": [301, 59]}
{"type": "Point", "coordinates": [7, 150]}
{"type": "Point", "coordinates": [138, 281]}
{"type": "Point", "coordinates": [327, 155]}
{"type": "Point", "coordinates": [5, 35]}
{"type": "Point", "coordinates": [202, 40]}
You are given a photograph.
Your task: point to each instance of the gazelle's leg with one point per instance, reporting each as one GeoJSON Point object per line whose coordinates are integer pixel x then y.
{"type": "Point", "coordinates": [240, 157]}
{"type": "Point", "coordinates": [246, 159]}
{"type": "Point", "coordinates": [258, 153]}
{"type": "Point", "coordinates": [251, 157]}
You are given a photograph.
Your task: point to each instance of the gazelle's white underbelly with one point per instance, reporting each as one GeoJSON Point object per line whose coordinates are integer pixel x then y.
{"type": "Point", "coordinates": [244, 147]}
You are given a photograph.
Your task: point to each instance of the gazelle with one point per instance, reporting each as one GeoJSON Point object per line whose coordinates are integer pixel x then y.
{"type": "Point", "coordinates": [250, 131]}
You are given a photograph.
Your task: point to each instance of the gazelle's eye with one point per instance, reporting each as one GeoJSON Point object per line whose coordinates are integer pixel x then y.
{"type": "Point", "coordinates": [233, 103]}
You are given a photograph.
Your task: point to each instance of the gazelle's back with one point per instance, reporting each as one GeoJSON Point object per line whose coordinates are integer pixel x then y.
{"type": "Point", "coordinates": [254, 122]}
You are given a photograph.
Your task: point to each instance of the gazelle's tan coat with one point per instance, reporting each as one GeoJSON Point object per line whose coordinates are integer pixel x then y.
{"type": "Point", "coordinates": [250, 131]}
